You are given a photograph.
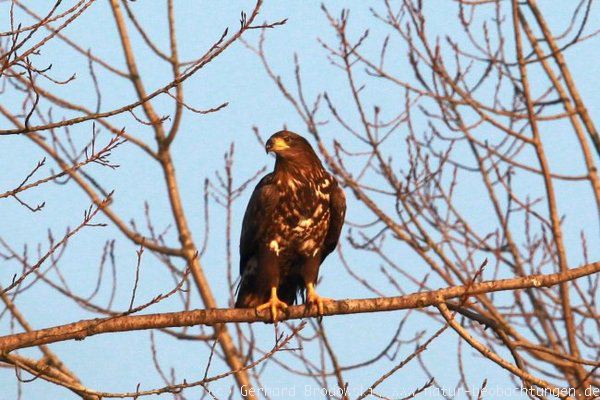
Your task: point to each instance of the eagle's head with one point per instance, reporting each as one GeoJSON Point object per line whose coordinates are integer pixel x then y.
{"type": "Point", "coordinates": [291, 147]}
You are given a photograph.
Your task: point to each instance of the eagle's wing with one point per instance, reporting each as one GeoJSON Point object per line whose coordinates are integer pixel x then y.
{"type": "Point", "coordinates": [337, 212]}
{"type": "Point", "coordinates": [262, 202]}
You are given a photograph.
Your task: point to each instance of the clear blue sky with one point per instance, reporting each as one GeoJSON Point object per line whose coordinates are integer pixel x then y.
{"type": "Point", "coordinates": [117, 362]}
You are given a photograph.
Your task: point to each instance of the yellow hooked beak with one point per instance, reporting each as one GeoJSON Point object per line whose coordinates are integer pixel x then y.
{"type": "Point", "coordinates": [276, 144]}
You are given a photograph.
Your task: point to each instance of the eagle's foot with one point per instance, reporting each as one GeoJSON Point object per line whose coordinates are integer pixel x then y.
{"type": "Point", "coordinates": [313, 298]}
{"type": "Point", "coordinates": [273, 304]}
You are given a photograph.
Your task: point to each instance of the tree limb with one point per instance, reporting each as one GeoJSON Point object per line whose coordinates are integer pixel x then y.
{"type": "Point", "coordinates": [82, 329]}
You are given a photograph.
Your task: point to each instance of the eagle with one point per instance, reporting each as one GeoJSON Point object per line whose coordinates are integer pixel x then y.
{"type": "Point", "coordinates": [292, 223]}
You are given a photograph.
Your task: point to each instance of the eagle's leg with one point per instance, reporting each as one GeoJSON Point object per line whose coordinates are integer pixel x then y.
{"type": "Point", "coordinates": [310, 273]}
{"type": "Point", "coordinates": [312, 297]}
{"type": "Point", "coordinates": [274, 303]}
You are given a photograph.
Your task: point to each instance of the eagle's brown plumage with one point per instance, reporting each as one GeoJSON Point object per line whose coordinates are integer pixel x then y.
{"type": "Point", "coordinates": [292, 222]}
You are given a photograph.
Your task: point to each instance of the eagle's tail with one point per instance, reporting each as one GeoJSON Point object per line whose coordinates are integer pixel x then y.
{"type": "Point", "coordinates": [248, 290]}
{"type": "Point", "coordinates": [247, 294]}
{"type": "Point", "coordinates": [290, 289]}
{"type": "Point", "coordinates": [251, 292]}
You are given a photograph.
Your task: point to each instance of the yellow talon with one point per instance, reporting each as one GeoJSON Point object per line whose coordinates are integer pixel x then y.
{"type": "Point", "coordinates": [274, 303]}
{"type": "Point", "coordinates": [313, 298]}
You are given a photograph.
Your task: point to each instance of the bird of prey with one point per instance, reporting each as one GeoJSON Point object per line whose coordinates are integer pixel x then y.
{"type": "Point", "coordinates": [292, 223]}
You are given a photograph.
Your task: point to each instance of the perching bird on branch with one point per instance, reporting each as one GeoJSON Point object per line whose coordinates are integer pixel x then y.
{"type": "Point", "coordinates": [292, 222]}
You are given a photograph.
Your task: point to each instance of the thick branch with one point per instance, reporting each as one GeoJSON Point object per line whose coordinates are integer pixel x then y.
{"type": "Point", "coordinates": [82, 329]}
